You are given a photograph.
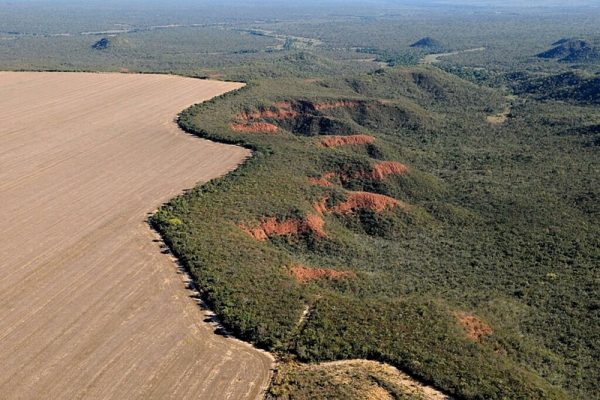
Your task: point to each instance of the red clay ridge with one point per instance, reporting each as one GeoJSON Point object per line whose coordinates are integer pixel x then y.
{"type": "Point", "coordinates": [366, 201]}
{"type": "Point", "coordinates": [336, 140]}
{"type": "Point", "coordinates": [283, 105]}
{"type": "Point", "coordinates": [282, 110]}
{"type": "Point", "coordinates": [323, 181]}
{"type": "Point", "coordinates": [335, 104]}
{"type": "Point", "coordinates": [315, 224]}
{"type": "Point", "coordinates": [271, 227]}
{"type": "Point", "coordinates": [267, 114]}
{"type": "Point", "coordinates": [305, 274]}
{"type": "Point", "coordinates": [382, 169]}
{"type": "Point", "coordinates": [474, 327]}
{"type": "Point", "coordinates": [321, 206]}
{"type": "Point", "coordinates": [255, 127]}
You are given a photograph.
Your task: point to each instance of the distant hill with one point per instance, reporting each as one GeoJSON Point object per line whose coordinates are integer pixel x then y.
{"type": "Point", "coordinates": [101, 44]}
{"type": "Point", "coordinates": [573, 50]}
{"type": "Point", "coordinates": [427, 43]}
{"type": "Point", "coordinates": [561, 41]}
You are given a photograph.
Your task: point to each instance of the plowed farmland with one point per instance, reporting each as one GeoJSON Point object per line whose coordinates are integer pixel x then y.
{"type": "Point", "coordinates": [90, 305]}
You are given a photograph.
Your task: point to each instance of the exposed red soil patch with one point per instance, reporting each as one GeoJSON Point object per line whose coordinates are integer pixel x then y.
{"type": "Point", "coordinates": [475, 327]}
{"type": "Point", "coordinates": [366, 201]}
{"type": "Point", "coordinates": [255, 127]}
{"type": "Point", "coordinates": [283, 105]}
{"type": "Point", "coordinates": [305, 274]}
{"type": "Point", "coordinates": [272, 227]}
{"type": "Point", "coordinates": [382, 169]}
{"type": "Point", "coordinates": [323, 181]}
{"type": "Point", "coordinates": [336, 140]}
{"type": "Point", "coordinates": [320, 182]}
{"type": "Point", "coordinates": [282, 110]}
{"type": "Point", "coordinates": [321, 206]}
{"type": "Point", "coordinates": [278, 114]}
{"type": "Point", "coordinates": [378, 172]}
{"type": "Point", "coordinates": [335, 104]}
{"type": "Point", "coordinates": [315, 224]}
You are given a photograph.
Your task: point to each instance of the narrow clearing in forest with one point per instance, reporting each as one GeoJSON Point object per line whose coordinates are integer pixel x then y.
{"type": "Point", "coordinates": [502, 117]}
{"type": "Point", "coordinates": [435, 58]}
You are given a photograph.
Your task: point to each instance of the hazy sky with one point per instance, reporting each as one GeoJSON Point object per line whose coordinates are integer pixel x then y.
{"type": "Point", "coordinates": [188, 3]}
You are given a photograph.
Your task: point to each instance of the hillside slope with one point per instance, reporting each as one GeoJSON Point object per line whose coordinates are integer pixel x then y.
{"type": "Point", "coordinates": [577, 87]}
{"type": "Point", "coordinates": [382, 217]}
{"type": "Point", "coordinates": [573, 50]}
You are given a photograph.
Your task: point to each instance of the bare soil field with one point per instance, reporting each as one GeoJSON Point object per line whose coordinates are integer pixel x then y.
{"type": "Point", "coordinates": [89, 305]}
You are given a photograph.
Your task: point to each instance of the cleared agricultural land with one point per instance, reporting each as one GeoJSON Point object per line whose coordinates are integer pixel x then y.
{"type": "Point", "coordinates": [89, 305]}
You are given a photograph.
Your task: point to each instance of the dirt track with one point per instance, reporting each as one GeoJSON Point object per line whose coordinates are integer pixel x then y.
{"type": "Point", "coordinates": [435, 58]}
{"type": "Point", "coordinates": [89, 307]}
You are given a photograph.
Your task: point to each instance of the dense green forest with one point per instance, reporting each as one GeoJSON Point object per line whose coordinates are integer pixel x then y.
{"type": "Point", "coordinates": [496, 226]}
{"type": "Point", "coordinates": [444, 218]}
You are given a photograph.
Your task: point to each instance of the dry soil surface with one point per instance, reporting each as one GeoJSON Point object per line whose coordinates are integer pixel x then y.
{"type": "Point", "coordinates": [89, 306]}
{"type": "Point", "coordinates": [386, 373]}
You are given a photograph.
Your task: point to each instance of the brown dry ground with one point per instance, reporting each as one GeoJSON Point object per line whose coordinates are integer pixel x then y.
{"type": "Point", "coordinates": [89, 306]}
{"type": "Point", "coordinates": [363, 379]}
{"type": "Point", "coordinates": [391, 375]}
